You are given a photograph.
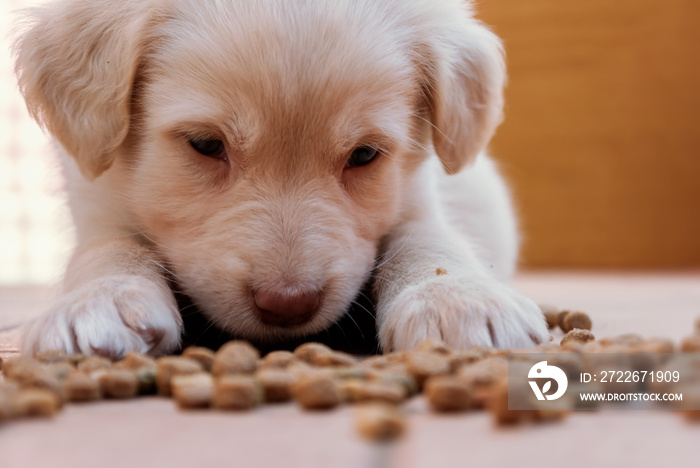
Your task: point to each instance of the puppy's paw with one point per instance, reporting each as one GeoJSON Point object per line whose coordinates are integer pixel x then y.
{"type": "Point", "coordinates": [109, 317]}
{"type": "Point", "coordinates": [463, 312]}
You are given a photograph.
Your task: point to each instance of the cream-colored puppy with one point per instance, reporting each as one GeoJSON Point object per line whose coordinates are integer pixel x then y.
{"type": "Point", "coordinates": [268, 157]}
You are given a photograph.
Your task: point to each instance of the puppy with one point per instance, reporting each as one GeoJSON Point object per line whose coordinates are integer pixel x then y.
{"type": "Point", "coordinates": [269, 158]}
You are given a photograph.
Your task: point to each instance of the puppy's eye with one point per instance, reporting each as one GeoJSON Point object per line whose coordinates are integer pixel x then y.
{"type": "Point", "coordinates": [362, 156]}
{"type": "Point", "coordinates": [211, 147]}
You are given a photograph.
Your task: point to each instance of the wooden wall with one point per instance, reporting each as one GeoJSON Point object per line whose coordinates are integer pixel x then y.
{"type": "Point", "coordinates": [602, 133]}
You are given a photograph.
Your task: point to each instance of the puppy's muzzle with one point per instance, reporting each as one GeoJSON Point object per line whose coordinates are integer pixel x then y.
{"type": "Point", "coordinates": [286, 307]}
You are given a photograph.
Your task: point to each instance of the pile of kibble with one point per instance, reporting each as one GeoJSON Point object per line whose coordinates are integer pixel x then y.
{"type": "Point", "coordinates": [237, 378]}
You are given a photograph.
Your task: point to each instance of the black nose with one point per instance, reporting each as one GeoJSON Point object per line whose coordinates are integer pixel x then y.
{"type": "Point", "coordinates": [286, 307]}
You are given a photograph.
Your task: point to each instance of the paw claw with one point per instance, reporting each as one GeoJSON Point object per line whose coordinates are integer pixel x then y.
{"type": "Point", "coordinates": [109, 317]}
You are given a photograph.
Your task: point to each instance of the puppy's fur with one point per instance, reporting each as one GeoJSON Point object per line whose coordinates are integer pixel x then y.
{"type": "Point", "coordinates": [291, 87]}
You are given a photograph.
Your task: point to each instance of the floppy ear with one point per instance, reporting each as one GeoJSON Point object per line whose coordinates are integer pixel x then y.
{"type": "Point", "coordinates": [466, 75]}
{"type": "Point", "coordinates": [76, 64]}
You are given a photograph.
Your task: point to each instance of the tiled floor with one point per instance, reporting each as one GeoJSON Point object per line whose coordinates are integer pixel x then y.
{"type": "Point", "coordinates": [151, 432]}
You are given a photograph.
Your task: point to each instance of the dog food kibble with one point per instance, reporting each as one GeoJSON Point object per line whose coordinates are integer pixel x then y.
{"type": "Point", "coordinates": [237, 392]}
{"type": "Point", "coordinates": [279, 359]}
{"type": "Point", "coordinates": [79, 387]}
{"type": "Point", "coordinates": [204, 356]}
{"type": "Point", "coordinates": [552, 315]}
{"type": "Point", "coordinates": [577, 335]}
{"type": "Point", "coordinates": [335, 358]}
{"type": "Point", "coordinates": [76, 359]}
{"type": "Point", "coordinates": [379, 421]}
{"type": "Point", "coordinates": [235, 357]}
{"type": "Point", "coordinates": [576, 320]}
{"type": "Point", "coordinates": [17, 368]}
{"type": "Point", "coordinates": [447, 393]}
{"type": "Point", "coordinates": [422, 364]}
{"type": "Point", "coordinates": [318, 377]}
{"type": "Point", "coordinates": [147, 380]}
{"type": "Point", "coordinates": [28, 373]}
{"type": "Point", "coordinates": [316, 390]}
{"type": "Point", "coordinates": [435, 346]}
{"type": "Point", "coordinates": [357, 390]}
{"type": "Point", "coordinates": [691, 344]}
{"type": "Point", "coordinates": [310, 352]}
{"type": "Point", "coordinates": [277, 384]}
{"type": "Point", "coordinates": [440, 271]}
{"type": "Point", "coordinates": [134, 361]}
{"type": "Point", "coordinates": [193, 390]}
{"type": "Point", "coordinates": [170, 366]}
{"type": "Point", "coordinates": [117, 383]}
{"type": "Point", "coordinates": [481, 376]}
{"type": "Point", "coordinates": [31, 402]}
{"type": "Point", "coordinates": [60, 370]}
{"type": "Point", "coordinates": [497, 404]}
{"type": "Point", "coordinates": [93, 363]}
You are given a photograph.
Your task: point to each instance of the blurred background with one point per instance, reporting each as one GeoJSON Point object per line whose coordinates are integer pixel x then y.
{"type": "Point", "coordinates": [600, 141]}
{"type": "Point", "coordinates": [602, 133]}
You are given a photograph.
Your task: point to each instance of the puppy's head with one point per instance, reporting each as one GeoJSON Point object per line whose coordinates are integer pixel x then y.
{"type": "Point", "coordinates": [267, 146]}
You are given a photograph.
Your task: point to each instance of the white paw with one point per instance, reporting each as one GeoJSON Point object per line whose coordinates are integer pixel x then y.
{"type": "Point", "coordinates": [109, 316]}
{"type": "Point", "coordinates": [463, 312]}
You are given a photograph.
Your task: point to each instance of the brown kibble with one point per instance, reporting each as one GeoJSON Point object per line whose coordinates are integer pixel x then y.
{"type": "Point", "coordinates": [93, 363]}
{"type": "Point", "coordinates": [447, 393]}
{"type": "Point", "coordinates": [577, 335]}
{"type": "Point", "coordinates": [50, 356]}
{"type": "Point", "coordinates": [76, 359]}
{"type": "Point", "coordinates": [60, 370]}
{"type": "Point", "coordinates": [435, 346]}
{"type": "Point", "coordinates": [356, 390]}
{"type": "Point", "coordinates": [118, 383]}
{"type": "Point", "coordinates": [354, 372]}
{"type": "Point", "coordinates": [237, 392]}
{"type": "Point", "coordinates": [134, 361]}
{"type": "Point", "coordinates": [334, 358]}
{"type": "Point", "coordinates": [422, 364]}
{"type": "Point", "coordinates": [235, 357]}
{"type": "Point", "coordinates": [629, 339]}
{"type": "Point", "coordinates": [204, 356]}
{"type": "Point", "coordinates": [18, 367]}
{"type": "Point", "coordinates": [147, 380]}
{"type": "Point", "coordinates": [440, 271]}
{"type": "Point", "coordinates": [193, 390]}
{"type": "Point", "coordinates": [277, 359]}
{"type": "Point", "coordinates": [552, 315]}
{"type": "Point", "coordinates": [79, 387]}
{"type": "Point", "coordinates": [480, 376]}
{"type": "Point", "coordinates": [654, 345]}
{"type": "Point", "coordinates": [29, 373]}
{"type": "Point", "coordinates": [574, 320]}
{"type": "Point", "coordinates": [381, 361]}
{"type": "Point", "coordinates": [463, 357]}
{"type": "Point", "coordinates": [277, 384]}
{"type": "Point", "coordinates": [309, 352]}
{"type": "Point", "coordinates": [484, 372]}
{"type": "Point", "coordinates": [379, 421]}
{"type": "Point", "coordinates": [691, 344]}
{"type": "Point", "coordinates": [497, 404]}
{"type": "Point", "coordinates": [39, 402]}
{"type": "Point", "coordinates": [170, 366]}
{"type": "Point", "coordinates": [400, 376]}
{"type": "Point", "coordinates": [316, 390]}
